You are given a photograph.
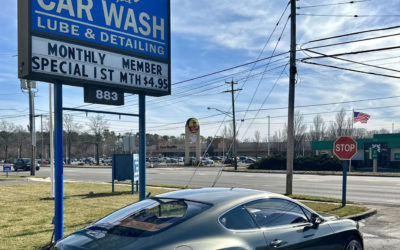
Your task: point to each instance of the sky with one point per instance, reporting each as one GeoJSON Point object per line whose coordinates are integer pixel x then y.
{"type": "Point", "coordinates": [211, 37]}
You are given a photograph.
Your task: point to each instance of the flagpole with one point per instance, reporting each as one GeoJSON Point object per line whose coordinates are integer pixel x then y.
{"type": "Point", "coordinates": [352, 128]}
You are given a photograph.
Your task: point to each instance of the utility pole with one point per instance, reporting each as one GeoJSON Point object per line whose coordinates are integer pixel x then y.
{"type": "Point", "coordinates": [29, 85]}
{"type": "Point", "coordinates": [234, 148]}
{"type": "Point", "coordinates": [32, 126]}
{"type": "Point", "coordinates": [268, 136]}
{"type": "Point", "coordinates": [292, 82]}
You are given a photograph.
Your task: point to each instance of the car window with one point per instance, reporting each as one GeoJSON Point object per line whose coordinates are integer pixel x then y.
{"type": "Point", "coordinates": [238, 219]}
{"type": "Point", "coordinates": [276, 212]}
{"type": "Point", "coordinates": [149, 217]}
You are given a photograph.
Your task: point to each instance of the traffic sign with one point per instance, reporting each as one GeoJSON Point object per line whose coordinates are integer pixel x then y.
{"type": "Point", "coordinates": [345, 148]}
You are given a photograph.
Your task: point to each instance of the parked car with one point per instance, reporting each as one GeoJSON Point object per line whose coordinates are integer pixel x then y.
{"type": "Point", "coordinates": [171, 160]}
{"type": "Point", "coordinates": [229, 161]}
{"type": "Point", "coordinates": [206, 161]}
{"type": "Point", "coordinates": [216, 218]}
{"type": "Point", "coordinates": [107, 161]}
{"type": "Point", "coordinates": [24, 164]}
{"type": "Point", "coordinates": [153, 159]}
{"type": "Point", "coordinates": [250, 160]}
{"type": "Point", "coordinates": [216, 158]}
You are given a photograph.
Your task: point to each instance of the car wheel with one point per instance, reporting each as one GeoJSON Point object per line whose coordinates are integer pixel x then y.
{"type": "Point", "coordinates": [353, 244]}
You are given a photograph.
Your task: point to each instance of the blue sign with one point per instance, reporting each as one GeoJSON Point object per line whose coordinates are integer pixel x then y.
{"type": "Point", "coordinates": [135, 167]}
{"type": "Point", "coordinates": [7, 168]}
{"type": "Point", "coordinates": [136, 26]}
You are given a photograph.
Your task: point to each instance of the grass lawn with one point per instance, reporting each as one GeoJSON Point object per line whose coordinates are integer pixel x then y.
{"type": "Point", "coordinates": [26, 213]}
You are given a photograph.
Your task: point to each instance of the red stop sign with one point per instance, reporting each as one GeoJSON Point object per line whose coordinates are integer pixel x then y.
{"type": "Point", "coordinates": [345, 147]}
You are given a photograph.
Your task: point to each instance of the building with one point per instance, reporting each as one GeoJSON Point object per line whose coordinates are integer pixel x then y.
{"type": "Point", "coordinates": [385, 148]}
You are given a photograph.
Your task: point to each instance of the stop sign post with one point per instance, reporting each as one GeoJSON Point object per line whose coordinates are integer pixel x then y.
{"type": "Point", "coordinates": [345, 148]}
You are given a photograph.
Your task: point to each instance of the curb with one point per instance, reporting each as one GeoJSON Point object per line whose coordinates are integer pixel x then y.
{"type": "Point", "coordinates": [361, 216]}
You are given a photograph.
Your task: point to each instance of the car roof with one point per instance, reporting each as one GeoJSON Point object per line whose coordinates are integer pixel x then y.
{"type": "Point", "coordinates": [218, 195]}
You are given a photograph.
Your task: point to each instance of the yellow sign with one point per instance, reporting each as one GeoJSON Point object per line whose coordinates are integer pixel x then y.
{"type": "Point", "coordinates": [193, 125]}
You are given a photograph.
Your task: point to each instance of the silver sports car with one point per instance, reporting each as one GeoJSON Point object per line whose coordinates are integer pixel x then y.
{"type": "Point", "coordinates": [216, 218]}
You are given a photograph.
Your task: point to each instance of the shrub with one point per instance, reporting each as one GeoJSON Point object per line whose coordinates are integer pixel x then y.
{"type": "Point", "coordinates": [305, 163]}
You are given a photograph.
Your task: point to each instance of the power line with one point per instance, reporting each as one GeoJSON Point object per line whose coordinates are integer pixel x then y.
{"type": "Point", "coordinates": [265, 99]}
{"type": "Point", "coordinates": [331, 4]}
{"type": "Point", "coordinates": [348, 42]}
{"type": "Point", "coordinates": [227, 69]}
{"type": "Point", "coordinates": [353, 33]}
{"type": "Point", "coordinates": [353, 70]}
{"type": "Point", "coordinates": [343, 15]}
{"type": "Point", "coordinates": [352, 61]}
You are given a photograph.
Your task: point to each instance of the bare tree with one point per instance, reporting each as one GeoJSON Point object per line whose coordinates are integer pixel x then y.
{"type": "Point", "coordinates": [6, 130]}
{"type": "Point", "coordinates": [21, 138]}
{"type": "Point", "coordinates": [299, 130]}
{"type": "Point", "coordinates": [227, 138]}
{"type": "Point", "coordinates": [317, 130]}
{"type": "Point", "coordinates": [257, 140]}
{"type": "Point", "coordinates": [97, 125]}
{"type": "Point", "coordinates": [338, 127]}
{"type": "Point", "coordinates": [71, 128]}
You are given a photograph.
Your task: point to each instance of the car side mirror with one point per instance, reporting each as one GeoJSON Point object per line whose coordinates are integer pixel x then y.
{"type": "Point", "coordinates": [315, 219]}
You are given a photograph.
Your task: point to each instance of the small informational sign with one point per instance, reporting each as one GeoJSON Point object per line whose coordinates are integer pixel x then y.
{"type": "Point", "coordinates": [7, 168]}
{"type": "Point", "coordinates": [135, 167]}
{"type": "Point", "coordinates": [374, 153]}
{"type": "Point", "coordinates": [114, 43]}
{"type": "Point", "coordinates": [103, 95]}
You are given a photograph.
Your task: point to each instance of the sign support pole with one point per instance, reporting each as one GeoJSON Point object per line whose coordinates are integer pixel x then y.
{"type": "Point", "coordinates": [142, 146]}
{"type": "Point", "coordinates": [59, 175]}
{"type": "Point", "coordinates": [345, 164]}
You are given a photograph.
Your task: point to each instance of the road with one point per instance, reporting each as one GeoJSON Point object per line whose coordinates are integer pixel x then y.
{"type": "Point", "coordinates": [361, 189]}
{"type": "Point", "coordinates": [381, 231]}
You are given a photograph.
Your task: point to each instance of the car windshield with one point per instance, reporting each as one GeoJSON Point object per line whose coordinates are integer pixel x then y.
{"type": "Point", "coordinates": [148, 217]}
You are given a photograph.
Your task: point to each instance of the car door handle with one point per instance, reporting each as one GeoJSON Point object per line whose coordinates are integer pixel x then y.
{"type": "Point", "coordinates": [276, 243]}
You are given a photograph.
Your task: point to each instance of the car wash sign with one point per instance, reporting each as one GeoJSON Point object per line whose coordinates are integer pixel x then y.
{"type": "Point", "coordinates": [116, 43]}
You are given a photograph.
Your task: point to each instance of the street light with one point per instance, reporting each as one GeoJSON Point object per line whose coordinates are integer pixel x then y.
{"type": "Point", "coordinates": [234, 131]}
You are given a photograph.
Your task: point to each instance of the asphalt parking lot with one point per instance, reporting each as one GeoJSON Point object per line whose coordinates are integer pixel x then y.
{"type": "Point", "coordinates": [382, 230]}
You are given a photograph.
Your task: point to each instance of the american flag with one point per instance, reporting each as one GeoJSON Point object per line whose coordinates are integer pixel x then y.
{"type": "Point", "coordinates": [361, 117]}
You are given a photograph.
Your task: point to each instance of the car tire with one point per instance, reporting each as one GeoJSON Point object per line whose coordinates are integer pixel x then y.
{"type": "Point", "coordinates": [353, 244]}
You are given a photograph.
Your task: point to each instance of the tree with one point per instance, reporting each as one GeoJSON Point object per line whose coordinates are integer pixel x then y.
{"type": "Point", "coordinates": [299, 132]}
{"type": "Point", "coordinates": [6, 130]}
{"type": "Point", "coordinates": [338, 127]}
{"type": "Point", "coordinates": [71, 128]}
{"type": "Point", "coordinates": [257, 140]}
{"type": "Point", "coordinates": [226, 139]}
{"type": "Point", "coordinates": [21, 138]}
{"type": "Point", "coordinates": [317, 130]}
{"type": "Point", "coordinates": [97, 125]}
